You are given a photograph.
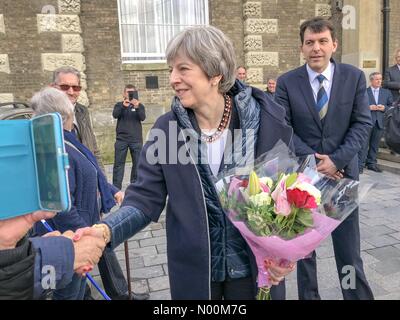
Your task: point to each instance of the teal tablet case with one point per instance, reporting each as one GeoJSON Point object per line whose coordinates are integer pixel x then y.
{"type": "Point", "coordinates": [19, 187]}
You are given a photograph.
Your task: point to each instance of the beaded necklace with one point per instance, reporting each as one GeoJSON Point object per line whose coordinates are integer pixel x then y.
{"type": "Point", "coordinates": [222, 124]}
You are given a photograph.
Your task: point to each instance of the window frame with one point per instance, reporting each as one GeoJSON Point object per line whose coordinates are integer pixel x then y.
{"type": "Point", "coordinates": [148, 55]}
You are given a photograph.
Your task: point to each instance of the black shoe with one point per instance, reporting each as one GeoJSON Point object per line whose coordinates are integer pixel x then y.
{"type": "Point", "coordinates": [134, 296]}
{"type": "Point", "coordinates": [374, 168]}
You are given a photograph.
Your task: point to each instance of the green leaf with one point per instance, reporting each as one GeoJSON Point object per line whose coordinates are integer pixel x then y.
{"type": "Point", "coordinates": [291, 180]}
{"type": "Point", "coordinates": [305, 218]}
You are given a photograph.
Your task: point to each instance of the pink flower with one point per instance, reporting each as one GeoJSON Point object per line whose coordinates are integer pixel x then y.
{"type": "Point", "coordinates": [282, 206]}
{"type": "Point", "coordinates": [264, 188]}
{"type": "Point", "coordinates": [234, 186]}
{"type": "Point", "coordinates": [234, 189]}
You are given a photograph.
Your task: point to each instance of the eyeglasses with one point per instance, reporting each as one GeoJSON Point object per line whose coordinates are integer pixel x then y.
{"type": "Point", "coordinates": [65, 87]}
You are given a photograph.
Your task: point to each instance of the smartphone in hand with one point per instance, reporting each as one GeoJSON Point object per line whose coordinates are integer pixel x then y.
{"type": "Point", "coordinates": [33, 166]}
{"type": "Point", "coordinates": [133, 95]}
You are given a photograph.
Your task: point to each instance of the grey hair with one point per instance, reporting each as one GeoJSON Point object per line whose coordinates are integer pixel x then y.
{"type": "Point", "coordinates": [373, 74]}
{"type": "Point", "coordinates": [210, 49]}
{"type": "Point", "coordinates": [50, 100]}
{"type": "Point", "coordinates": [64, 70]}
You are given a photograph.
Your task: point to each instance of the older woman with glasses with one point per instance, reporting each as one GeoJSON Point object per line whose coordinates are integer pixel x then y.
{"type": "Point", "coordinates": [207, 257]}
{"type": "Point", "coordinates": [90, 192]}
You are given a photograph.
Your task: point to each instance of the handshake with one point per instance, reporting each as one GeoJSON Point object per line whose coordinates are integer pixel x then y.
{"type": "Point", "coordinates": [88, 243]}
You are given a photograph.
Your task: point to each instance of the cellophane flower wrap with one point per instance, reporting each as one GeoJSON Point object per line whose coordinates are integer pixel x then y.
{"type": "Point", "coordinates": [283, 207]}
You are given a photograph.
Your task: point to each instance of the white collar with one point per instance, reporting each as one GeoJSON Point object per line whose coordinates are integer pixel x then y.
{"type": "Point", "coordinates": [327, 73]}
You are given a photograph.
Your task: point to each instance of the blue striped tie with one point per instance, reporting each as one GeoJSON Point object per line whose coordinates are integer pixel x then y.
{"type": "Point", "coordinates": [322, 98]}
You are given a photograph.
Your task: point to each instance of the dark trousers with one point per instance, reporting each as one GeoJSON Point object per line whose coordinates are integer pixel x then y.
{"type": "Point", "coordinates": [111, 274]}
{"type": "Point", "coordinates": [233, 289]}
{"type": "Point", "coordinates": [121, 149]}
{"type": "Point", "coordinates": [346, 246]}
{"type": "Point", "coordinates": [367, 155]}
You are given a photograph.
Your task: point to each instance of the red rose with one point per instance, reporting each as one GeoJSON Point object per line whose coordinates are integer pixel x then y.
{"type": "Point", "coordinates": [244, 183]}
{"type": "Point", "coordinates": [301, 199]}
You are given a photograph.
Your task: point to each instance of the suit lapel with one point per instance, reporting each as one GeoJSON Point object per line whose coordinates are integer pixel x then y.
{"type": "Point", "coordinates": [371, 95]}
{"type": "Point", "coordinates": [306, 90]}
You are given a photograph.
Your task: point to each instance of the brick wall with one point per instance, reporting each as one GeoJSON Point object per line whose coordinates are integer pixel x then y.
{"type": "Point", "coordinates": [228, 16]}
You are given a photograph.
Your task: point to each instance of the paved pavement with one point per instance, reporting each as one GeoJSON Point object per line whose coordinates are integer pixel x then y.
{"type": "Point", "coordinates": [380, 245]}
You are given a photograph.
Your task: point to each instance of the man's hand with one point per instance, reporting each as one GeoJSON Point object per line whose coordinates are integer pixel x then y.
{"type": "Point", "coordinates": [126, 103]}
{"type": "Point", "coordinates": [380, 107]}
{"type": "Point", "coordinates": [276, 272]}
{"type": "Point", "coordinates": [327, 167]}
{"type": "Point", "coordinates": [135, 103]}
{"type": "Point", "coordinates": [119, 197]}
{"type": "Point", "coordinates": [373, 107]}
{"type": "Point", "coordinates": [14, 229]}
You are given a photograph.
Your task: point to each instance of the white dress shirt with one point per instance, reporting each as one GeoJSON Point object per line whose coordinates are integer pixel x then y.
{"type": "Point", "coordinates": [375, 92]}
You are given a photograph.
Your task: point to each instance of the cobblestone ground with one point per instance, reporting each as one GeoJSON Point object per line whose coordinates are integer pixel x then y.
{"type": "Point", "coordinates": [380, 245]}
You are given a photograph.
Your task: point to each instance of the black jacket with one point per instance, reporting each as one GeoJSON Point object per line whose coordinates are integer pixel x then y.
{"type": "Point", "coordinates": [17, 272]}
{"type": "Point", "coordinates": [129, 123]}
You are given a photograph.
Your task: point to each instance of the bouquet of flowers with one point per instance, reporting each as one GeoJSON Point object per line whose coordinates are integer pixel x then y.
{"type": "Point", "coordinates": [283, 207]}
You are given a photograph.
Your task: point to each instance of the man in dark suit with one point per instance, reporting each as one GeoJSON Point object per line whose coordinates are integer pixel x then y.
{"type": "Point", "coordinates": [327, 106]}
{"type": "Point", "coordinates": [379, 101]}
{"type": "Point", "coordinates": [392, 77]}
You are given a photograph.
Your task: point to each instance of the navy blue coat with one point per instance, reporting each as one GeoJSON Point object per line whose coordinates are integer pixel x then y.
{"type": "Point", "coordinates": [188, 239]}
{"type": "Point", "coordinates": [385, 98]}
{"type": "Point", "coordinates": [346, 125]}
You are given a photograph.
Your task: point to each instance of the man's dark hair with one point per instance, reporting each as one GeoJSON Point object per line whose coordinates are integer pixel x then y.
{"type": "Point", "coordinates": [317, 25]}
{"type": "Point", "coordinates": [130, 86]}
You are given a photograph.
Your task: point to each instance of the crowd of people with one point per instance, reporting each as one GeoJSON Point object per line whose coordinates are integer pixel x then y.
{"type": "Point", "coordinates": [322, 108]}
